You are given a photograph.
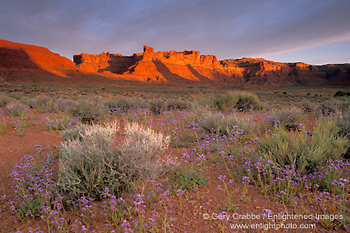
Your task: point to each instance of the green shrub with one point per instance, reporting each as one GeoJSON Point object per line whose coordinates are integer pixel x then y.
{"type": "Point", "coordinates": [36, 101]}
{"type": "Point", "coordinates": [343, 122]}
{"type": "Point", "coordinates": [186, 179]}
{"type": "Point", "coordinates": [43, 104]}
{"type": "Point", "coordinates": [177, 105]}
{"type": "Point", "coordinates": [221, 124]}
{"type": "Point", "coordinates": [88, 111]}
{"type": "Point", "coordinates": [196, 112]}
{"type": "Point", "coordinates": [89, 165]}
{"type": "Point", "coordinates": [341, 104]}
{"type": "Point", "coordinates": [125, 104]}
{"type": "Point", "coordinates": [299, 150]}
{"type": "Point", "coordinates": [60, 123]}
{"type": "Point", "coordinates": [308, 106]}
{"type": "Point", "coordinates": [288, 119]}
{"type": "Point", "coordinates": [16, 108]}
{"type": "Point", "coordinates": [247, 101]}
{"type": "Point", "coordinates": [64, 104]}
{"type": "Point", "coordinates": [156, 106]}
{"type": "Point", "coordinates": [16, 95]}
{"type": "Point", "coordinates": [326, 108]}
{"type": "Point", "coordinates": [91, 162]}
{"type": "Point", "coordinates": [120, 103]}
{"type": "Point", "coordinates": [236, 100]}
{"type": "Point", "coordinates": [341, 93]}
{"type": "Point", "coordinates": [4, 99]}
{"type": "Point", "coordinates": [226, 101]}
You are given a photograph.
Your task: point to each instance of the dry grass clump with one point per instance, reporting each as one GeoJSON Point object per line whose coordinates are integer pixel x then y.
{"type": "Point", "coordinates": [157, 106]}
{"type": "Point", "coordinates": [44, 103]}
{"type": "Point", "coordinates": [175, 104]}
{"type": "Point", "coordinates": [16, 108]}
{"type": "Point", "coordinates": [238, 100]}
{"type": "Point", "coordinates": [88, 111]}
{"type": "Point", "coordinates": [224, 124]}
{"type": "Point", "coordinates": [60, 123]}
{"type": "Point", "coordinates": [125, 104]}
{"type": "Point", "coordinates": [289, 119]}
{"type": "Point", "coordinates": [343, 122]}
{"type": "Point", "coordinates": [301, 151]}
{"type": "Point", "coordinates": [4, 99]}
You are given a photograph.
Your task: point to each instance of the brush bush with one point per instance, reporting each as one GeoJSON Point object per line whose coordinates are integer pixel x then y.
{"type": "Point", "coordinates": [63, 104]}
{"type": "Point", "coordinates": [4, 99]}
{"type": "Point", "coordinates": [60, 123]}
{"type": "Point", "coordinates": [142, 140]}
{"type": "Point", "coordinates": [124, 104]}
{"type": "Point", "coordinates": [156, 106]}
{"type": "Point", "coordinates": [308, 106]}
{"type": "Point", "coordinates": [236, 100]}
{"type": "Point", "coordinates": [334, 105]}
{"type": "Point", "coordinates": [82, 131]}
{"type": "Point", "coordinates": [16, 108]}
{"type": "Point", "coordinates": [341, 93]}
{"type": "Point", "coordinates": [88, 111]}
{"type": "Point", "coordinates": [36, 101]}
{"type": "Point", "coordinates": [221, 124]}
{"type": "Point", "coordinates": [343, 122]}
{"type": "Point", "coordinates": [287, 119]}
{"type": "Point", "coordinates": [89, 165]}
{"type": "Point", "coordinates": [91, 162]}
{"type": "Point", "coordinates": [300, 150]}
{"type": "Point", "coordinates": [42, 103]}
{"type": "Point", "coordinates": [177, 105]}
{"type": "Point", "coordinates": [326, 108]}
{"type": "Point", "coordinates": [141, 147]}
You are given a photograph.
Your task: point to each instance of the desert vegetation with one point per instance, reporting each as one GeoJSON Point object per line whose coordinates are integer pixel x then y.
{"type": "Point", "coordinates": [136, 163]}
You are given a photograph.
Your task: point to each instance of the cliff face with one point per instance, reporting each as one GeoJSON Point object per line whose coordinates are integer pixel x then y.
{"type": "Point", "coordinates": [334, 72]}
{"type": "Point", "coordinates": [105, 62]}
{"type": "Point", "coordinates": [20, 60]}
{"type": "Point", "coordinates": [156, 66]}
{"type": "Point", "coordinates": [260, 71]}
{"type": "Point", "coordinates": [185, 66]}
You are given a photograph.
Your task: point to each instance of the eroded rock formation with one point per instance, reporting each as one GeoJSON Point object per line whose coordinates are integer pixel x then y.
{"type": "Point", "coordinates": [173, 66]}
{"type": "Point", "coordinates": [20, 60]}
{"type": "Point", "coordinates": [260, 71]}
{"type": "Point", "coordinates": [150, 65]}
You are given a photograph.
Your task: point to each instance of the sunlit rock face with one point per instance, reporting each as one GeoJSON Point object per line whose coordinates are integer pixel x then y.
{"type": "Point", "coordinates": [18, 61]}
{"type": "Point", "coordinates": [189, 65]}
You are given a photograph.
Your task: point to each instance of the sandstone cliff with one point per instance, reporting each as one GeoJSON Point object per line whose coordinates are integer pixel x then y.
{"type": "Point", "coordinates": [261, 71]}
{"type": "Point", "coordinates": [20, 60]}
{"type": "Point", "coordinates": [156, 66]}
{"type": "Point", "coordinates": [173, 66]}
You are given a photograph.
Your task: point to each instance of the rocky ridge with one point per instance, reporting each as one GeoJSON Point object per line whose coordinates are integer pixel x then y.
{"type": "Point", "coordinates": [20, 61]}
{"type": "Point", "coordinates": [173, 66]}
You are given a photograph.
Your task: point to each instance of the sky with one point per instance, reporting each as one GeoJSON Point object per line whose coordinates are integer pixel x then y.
{"type": "Point", "coordinates": [310, 31]}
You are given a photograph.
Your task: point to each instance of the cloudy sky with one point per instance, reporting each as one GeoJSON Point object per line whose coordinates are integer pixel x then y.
{"type": "Point", "coordinates": [311, 31]}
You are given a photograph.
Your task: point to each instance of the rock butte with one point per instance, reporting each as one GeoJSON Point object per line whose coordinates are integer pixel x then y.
{"type": "Point", "coordinates": [19, 60]}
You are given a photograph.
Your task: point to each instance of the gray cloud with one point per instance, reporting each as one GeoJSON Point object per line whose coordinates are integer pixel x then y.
{"type": "Point", "coordinates": [229, 29]}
